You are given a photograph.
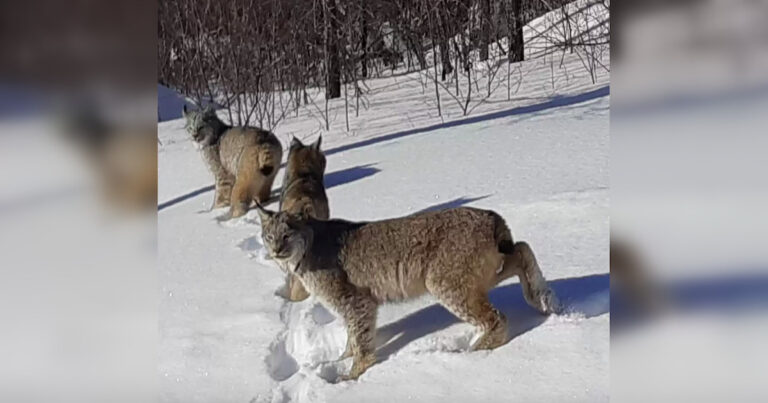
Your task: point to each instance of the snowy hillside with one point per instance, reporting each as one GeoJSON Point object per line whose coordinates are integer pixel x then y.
{"type": "Point", "coordinates": [539, 160]}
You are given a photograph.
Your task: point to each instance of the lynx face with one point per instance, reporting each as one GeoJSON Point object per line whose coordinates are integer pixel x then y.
{"type": "Point", "coordinates": [200, 125]}
{"type": "Point", "coordinates": [285, 237]}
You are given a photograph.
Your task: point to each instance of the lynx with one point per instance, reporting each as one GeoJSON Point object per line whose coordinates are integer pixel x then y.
{"type": "Point", "coordinates": [244, 160]}
{"type": "Point", "coordinates": [123, 157]}
{"type": "Point", "coordinates": [457, 255]}
{"type": "Point", "coordinates": [304, 192]}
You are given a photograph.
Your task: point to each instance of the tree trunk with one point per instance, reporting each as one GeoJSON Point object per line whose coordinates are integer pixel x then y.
{"type": "Point", "coordinates": [516, 22]}
{"type": "Point", "coordinates": [445, 53]}
{"type": "Point", "coordinates": [363, 41]}
{"type": "Point", "coordinates": [445, 57]}
{"type": "Point", "coordinates": [485, 23]}
{"type": "Point", "coordinates": [333, 67]}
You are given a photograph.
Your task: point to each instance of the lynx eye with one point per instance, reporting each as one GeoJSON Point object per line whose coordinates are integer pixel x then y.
{"type": "Point", "coordinates": [285, 237]}
{"type": "Point", "coordinates": [269, 238]}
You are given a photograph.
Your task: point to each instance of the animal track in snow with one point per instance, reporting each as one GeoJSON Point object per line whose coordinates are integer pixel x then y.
{"type": "Point", "coordinates": [280, 364]}
{"type": "Point", "coordinates": [312, 338]}
{"type": "Point", "coordinates": [253, 248]}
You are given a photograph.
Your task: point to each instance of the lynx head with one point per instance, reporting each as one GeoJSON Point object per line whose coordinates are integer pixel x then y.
{"type": "Point", "coordinates": [286, 236]}
{"type": "Point", "coordinates": [203, 125]}
{"type": "Point", "coordinates": [306, 159]}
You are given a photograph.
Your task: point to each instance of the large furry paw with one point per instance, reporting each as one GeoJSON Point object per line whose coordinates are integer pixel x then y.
{"type": "Point", "coordinates": [347, 352]}
{"type": "Point", "coordinates": [238, 210]}
{"type": "Point", "coordinates": [221, 203]}
{"type": "Point", "coordinates": [548, 302]}
{"type": "Point", "coordinates": [492, 338]}
{"type": "Point", "coordinates": [294, 298]}
{"type": "Point", "coordinates": [360, 365]}
{"type": "Point", "coordinates": [296, 291]}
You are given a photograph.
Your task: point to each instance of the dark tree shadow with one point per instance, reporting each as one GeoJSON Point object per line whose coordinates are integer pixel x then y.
{"type": "Point", "coordinates": [336, 178]}
{"type": "Point", "coordinates": [457, 202]}
{"type": "Point", "coordinates": [588, 296]}
{"type": "Point", "coordinates": [40, 199]}
{"type": "Point", "coordinates": [179, 199]}
{"type": "Point", "coordinates": [555, 102]}
{"type": "Point", "coordinates": [725, 294]}
{"type": "Point", "coordinates": [347, 175]}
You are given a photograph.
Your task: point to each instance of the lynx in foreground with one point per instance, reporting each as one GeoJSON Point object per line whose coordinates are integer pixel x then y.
{"type": "Point", "coordinates": [456, 255]}
{"type": "Point", "coordinates": [304, 192]}
{"type": "Point", "coordinates": [244, 160]}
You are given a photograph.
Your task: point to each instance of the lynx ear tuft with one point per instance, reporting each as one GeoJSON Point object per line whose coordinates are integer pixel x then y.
{"type": "Point", "coordinates": [264, 214]}
{"type": "Point", "coordinates": [317, 143]}
{"type": "Point", "coordinates": [295, 142]}
{"type": "Point", "coordinates": [185, 111]}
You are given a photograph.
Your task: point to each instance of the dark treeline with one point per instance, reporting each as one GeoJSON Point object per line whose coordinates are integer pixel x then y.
{"type": "Point", "coordinates": [243, 52]}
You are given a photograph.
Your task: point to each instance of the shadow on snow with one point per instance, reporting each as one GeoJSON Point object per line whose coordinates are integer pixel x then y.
{"type": "Point", "coordinates": [587, 295]}
{"type": "Point", "coordinates": [336, 178]}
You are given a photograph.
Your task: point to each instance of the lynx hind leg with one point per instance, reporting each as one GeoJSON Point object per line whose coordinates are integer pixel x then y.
{"type": "Point", "coordinates": [241, 194]}
{"type": "Point", "coordinates": [261, 189]}
{"type": "Point", "coordinates": [465, 300]}
{"type": "Point", "coordinates": [240, 198]}
{"type": "Point", "coordinates": [536, 291]}
{"type": "Point", "coordinates": [223, 191]}
{"type": "Point", "coordinates": [296, 290]}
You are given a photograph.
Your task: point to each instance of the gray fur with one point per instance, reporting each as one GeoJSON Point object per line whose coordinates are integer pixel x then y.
{"type": "Point", "coordinates": [456, 255]}
{"type": "Point", "coordinates": [304, 192]}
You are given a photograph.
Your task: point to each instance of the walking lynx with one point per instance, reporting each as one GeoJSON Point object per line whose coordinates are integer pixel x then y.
{"type": "Point", "coordinates": [457, 255]}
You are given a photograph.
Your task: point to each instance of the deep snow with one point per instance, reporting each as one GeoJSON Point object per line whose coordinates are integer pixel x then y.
{"type": "Point", "coordinates": [539, 160]}
{"type": "Point", "coordinates": [226, 336]}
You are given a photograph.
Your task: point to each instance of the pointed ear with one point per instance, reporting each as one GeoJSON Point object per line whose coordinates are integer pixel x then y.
{"type": "Point", "coordinates": [264, 214]}
{"type": "Point", "coordinates": [295, 142]}
{"type": "Point", "coordinates": [316, 145]}
{"type": "Point", "coordinates": [185, 111]}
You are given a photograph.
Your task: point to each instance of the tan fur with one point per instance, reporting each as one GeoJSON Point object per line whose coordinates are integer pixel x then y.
{"type": "Point", "coordinates": [456, 255]}
{"type": "Point", "coordinates": [121, 155]}
{"type": "Point", "coordinates": [244, 160]}
{"type": "Point", "coordinates": [630, 278]}
{"type": "Point", "coordinates": [304, 193]}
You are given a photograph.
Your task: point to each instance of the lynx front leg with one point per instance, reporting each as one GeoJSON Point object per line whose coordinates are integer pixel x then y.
{"type": "Point", "coordinates": [361, 330]}
{"type": "Point", "coordinates": [296, 290]}
{"type": "Point", "coordinates": [348, 348]}
{"type": "Point", "coordinates": [262, 186]}
{"type": "Point", "coordinates": [358, 309]}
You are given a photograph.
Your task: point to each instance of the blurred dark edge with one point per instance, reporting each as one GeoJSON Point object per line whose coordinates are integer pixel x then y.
{"type": "Point", "coordinates": [58, 52]}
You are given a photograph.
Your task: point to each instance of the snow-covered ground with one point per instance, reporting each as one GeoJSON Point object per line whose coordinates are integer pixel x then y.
{"type": "Point", "coordinates": [539, 160]}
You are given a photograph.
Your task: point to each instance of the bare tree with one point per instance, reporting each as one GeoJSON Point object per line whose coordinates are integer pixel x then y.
{"type": "Point", "coordinates": [331, 41]}
{"type": "Point", "coordinates": [265, 59]}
